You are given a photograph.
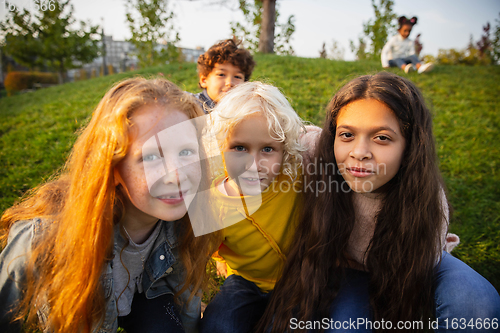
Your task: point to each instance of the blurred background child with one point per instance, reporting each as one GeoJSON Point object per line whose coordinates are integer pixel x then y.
{"type": "Point", "coordinates": [222, 67]}
{"type": "Point", "coordinates": [399, 51]}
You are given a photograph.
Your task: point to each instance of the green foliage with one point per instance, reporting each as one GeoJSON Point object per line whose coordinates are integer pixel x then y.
{"type": "Point", "coordinates": [359, 50]}
{"type": "Point", "coordinates": [38, 130]}
{"type": "Point", "coordinates": [335, 51]}
{"type": "Point", "coordinates": [282, 39]}
{"type": "Point", "coordinates": [376, 31]}
{"type": "Point", "coordinates": [250, 30]}
{"type": "Point", "coordinates": [153, 32]}
{"type": "Point", "coordinates": [45, 38]}
{"type": "Point", "coordinates": [486, 51]}
{"type": "Point", "coordinates": [470, 56]}
{"type": "Point", "coordinates": [18, 38]}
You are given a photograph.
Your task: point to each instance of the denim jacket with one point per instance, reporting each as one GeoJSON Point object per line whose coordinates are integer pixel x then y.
{"type": "Point", "coordinates": [163, 274]}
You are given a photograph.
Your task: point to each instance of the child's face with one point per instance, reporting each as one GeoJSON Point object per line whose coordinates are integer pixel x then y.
{"type": "Point", "coordinates": [253, 158]}
{"type": "Point", "coordinates": [222, 78]}
{"type": "Point", "coordinates": [369, 145]}
{"type": "Point", "coordinates": [405, 30]}
{"type": "Point", "coordinates": [161, 172]}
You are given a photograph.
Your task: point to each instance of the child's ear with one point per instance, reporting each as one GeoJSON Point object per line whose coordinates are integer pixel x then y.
{"type": "Point", "coordinates": [117, 177]}
{"type": "Point", "coordinates": [203, 81]}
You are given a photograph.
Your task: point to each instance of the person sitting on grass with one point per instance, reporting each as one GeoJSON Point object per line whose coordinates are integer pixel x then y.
{"type": "Point", "coordinates": [399, 51]}
{"type": "Point", "coordinates": [262, 139]}
{"type": "Point", "coordinates": [108, 242]}
{"type": "Point", "coordinates": [374, 250]}
{"type": "Point", "coordinates": [222, 67]}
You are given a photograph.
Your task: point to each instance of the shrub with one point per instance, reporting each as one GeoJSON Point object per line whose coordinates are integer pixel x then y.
{"type": "Point", "coordinates": [470, 56]}
{"type": "Point", "coordinates": [19, 81]}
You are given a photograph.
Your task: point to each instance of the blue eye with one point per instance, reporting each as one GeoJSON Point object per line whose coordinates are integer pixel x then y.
{"type": "Point", "coordinates": [239, 148]}
{"type": "Point", "coordinates": [150, 157]}
{"type": "Point", "coordinates": [186, 152]}
{"type": "Point", "coordinates": [267, 150]}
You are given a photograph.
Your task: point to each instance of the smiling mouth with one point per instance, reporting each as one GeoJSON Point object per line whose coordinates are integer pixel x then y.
{"type": "Point", "coordinates": [360, 172]}
{"type": "Point", "coordinates": [172, 198]}
{"type": "Point", "coordinates": [252, 180]}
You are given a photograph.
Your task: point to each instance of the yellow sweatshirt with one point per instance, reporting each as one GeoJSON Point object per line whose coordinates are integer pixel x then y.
{"type": "Point", "coordinates": [255, 248]}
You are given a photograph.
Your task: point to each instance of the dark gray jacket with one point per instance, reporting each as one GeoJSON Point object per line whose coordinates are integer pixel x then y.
{"type": "Point", "coordinates": [163, 274]}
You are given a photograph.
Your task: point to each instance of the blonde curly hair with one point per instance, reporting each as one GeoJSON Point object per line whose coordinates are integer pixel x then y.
{"type": "Point", "coordinates": [252, 98]}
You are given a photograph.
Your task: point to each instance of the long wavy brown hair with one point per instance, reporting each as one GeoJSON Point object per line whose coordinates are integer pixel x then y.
{"type": "Point", "coordinates": [406, 243]}
{"type": "Point", "coordinates": [80, 207]}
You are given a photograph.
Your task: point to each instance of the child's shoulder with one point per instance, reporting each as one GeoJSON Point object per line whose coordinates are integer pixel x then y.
{"type": "Point", "coordinates": [33, 226]}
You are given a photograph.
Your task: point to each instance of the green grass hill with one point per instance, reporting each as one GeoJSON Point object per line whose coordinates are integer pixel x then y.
{"type": "Point", "coordinates": [38, 129]}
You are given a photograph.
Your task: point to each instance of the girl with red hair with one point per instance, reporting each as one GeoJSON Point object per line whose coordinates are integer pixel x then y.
{"type": "Point", "coordinates": [105, 244]}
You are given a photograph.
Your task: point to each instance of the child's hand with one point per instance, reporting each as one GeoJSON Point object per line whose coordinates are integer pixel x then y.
{"type": "Point", "coordinates": [308, 141]}
{"type": "Point", "coordinates": [221, 269]}
{"type": "Point", "coordinates": [452, 240]}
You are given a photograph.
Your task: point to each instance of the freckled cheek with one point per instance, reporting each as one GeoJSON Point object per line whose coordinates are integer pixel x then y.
{"type": "Point", "coordinates": [135, 181]}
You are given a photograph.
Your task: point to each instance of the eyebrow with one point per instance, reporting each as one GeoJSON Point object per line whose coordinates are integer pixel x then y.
{"type": "Point", "coordinates": [244, 143]}
{"type": "Point", "coordinates": [372, 129]}
{"type": "Point", "coordinates": [225, 70]}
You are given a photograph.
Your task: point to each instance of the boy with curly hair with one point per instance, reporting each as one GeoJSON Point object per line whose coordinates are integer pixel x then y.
{"type": "Point", "coordinates": [222, 67]}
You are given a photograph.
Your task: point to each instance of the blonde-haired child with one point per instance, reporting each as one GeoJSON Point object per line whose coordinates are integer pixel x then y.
{"type": "Point", "coordinates": [260, 136]}
{"type": "Point", "coordinates": [106, 244]}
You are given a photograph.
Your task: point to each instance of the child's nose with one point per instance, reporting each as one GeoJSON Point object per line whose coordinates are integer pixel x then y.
{"type": "Point", "coordinates": [173, 175]}
{"type": "Point", "coordinates": [256, 165]}
{"type": "Point", "coordinates": [230, 81]}
{"type": "Point", "coordinates": [361, 151]}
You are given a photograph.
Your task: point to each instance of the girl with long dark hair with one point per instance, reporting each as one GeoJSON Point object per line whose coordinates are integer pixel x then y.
{"type": "Point", "coordinates": [369, 251]}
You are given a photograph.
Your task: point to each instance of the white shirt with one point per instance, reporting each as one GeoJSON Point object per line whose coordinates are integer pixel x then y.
{"type": "Point", "coordinates": [397, 47]}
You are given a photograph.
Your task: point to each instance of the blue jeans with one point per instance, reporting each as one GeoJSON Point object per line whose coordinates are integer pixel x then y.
{"type": "Point", "coordinates": [236, 308]}
{"type": "Point", "coordinates": [156, 315]}
{"type": "Point", "coordinates": [461, 294]}
{"type": "Point", "coordinates": [398, 62]}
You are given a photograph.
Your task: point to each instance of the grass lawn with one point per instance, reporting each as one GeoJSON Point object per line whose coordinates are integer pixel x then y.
{"type": "Point", "coordinates": [38, 129]}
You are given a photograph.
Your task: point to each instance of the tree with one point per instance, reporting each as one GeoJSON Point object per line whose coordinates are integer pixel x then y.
{"type": "Point", "coordinates": [266, 39]}
{"type": "Point", "coordinates": [359, 50]}
{"type": "Point", "coordinates": [153, 32]}
{"type": "Point", "coordinates": [322, 52]}
{"type": "Point", "coordinates": [495, 43]}
{"type": "Point", "coordinates": [19, 40]}
{"type": "Point", "coordinates": [259, 31]}
{"type": "Point", "coordinates": [418, 45]}
{"type": "Point", "coordinates": [376, 31]}
{"type": "Point", "coordinates": [336, 51]}
{"type": "Point", "coordinates": [45, 38]}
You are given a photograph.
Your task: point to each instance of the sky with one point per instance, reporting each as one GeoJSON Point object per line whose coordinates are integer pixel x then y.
{"type": "Point", "coordinates": [443, 24]}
